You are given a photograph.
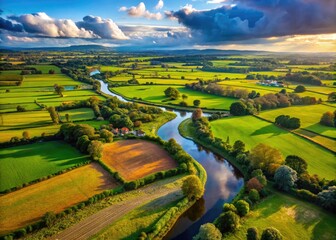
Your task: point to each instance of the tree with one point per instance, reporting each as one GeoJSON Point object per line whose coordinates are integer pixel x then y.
{"type": "Point", "coordinates": [107, 135]}
{"type": "Point", "coordinates": [53, 114]}
{"type": "Point", "coordinates": [296, 163]}
{"type": "Point", "coordinates": [25, 135]}
{"type": "Point", "coordinates": [192, 187]}
{"type": "Point", "coordinates": [254, 183]}
{"type": "Point", "coordinates": [196, 102]}
{"type": "Point", "coordinates": [19, 108]}
{"type": "Point", "coordinates": [59, 89]}
{"type": "Point", "coordinates": [243, 207]}
{"type": "Point", "coordinates": [95, 149]}
{"type": "Point", "coordinates": [332, 97]}
{"type": "Point", "coordinates": [51, 71]}
{"type": "Point", "coordinates": [228, 222]}
{"type": "Point", "coordinates": [294, 123]}
{"type": "Point", "coordinates": [266, 158]}
{"type": "Point", "coordinates": [238, 147]}
{"type": "Point", "coordinates": [172, 93]}
{"type": "Point", "coordinates": [67, 117]}
{"type": "Point", "coordinates": [184, 97]}
{"type": "Point", "coordinates": [238, 108]}
{"type": "Point", "coordinates": [328, 119]}
{"type": "Point", "coordinates": [285, 178]}
{"type": "Point", "coordinates": [49, 219]}
{"type": "Point", "coordinates": [300, 89]}
{"type": "Point", "coordinates": [327, 198]}
{"type": "Point", "coordinates": [208, 231]}
{"type": "Point", "coordinates": [197, 114]}
{"type": "Point", "coordinates": [254, 195]}
{"type": "Point", "coordinates": [271, 234]}
{"type": "Point", "coordinates": [252, 234]}
{"type": "Point", "coordinates": [229, 207]}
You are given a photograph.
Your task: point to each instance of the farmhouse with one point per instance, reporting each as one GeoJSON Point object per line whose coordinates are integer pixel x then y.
{"type": "Point", "coordinates": [271, 83]}
{"type": "Point", "coordinates": [140, 133]}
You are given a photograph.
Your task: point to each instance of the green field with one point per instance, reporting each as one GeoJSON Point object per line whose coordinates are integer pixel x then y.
{"type": "Point", "coordinates": [23, 164]}
{"type": "Point", "coordinates": [295, 219]}
{"type": "Point", "coordinates": [252, 131]}
{"type": "Point", "coordinates": [45, 68]}
{"type": "Point", "coordinates": [155, 94]}
{"type": "Point", "coordinates": [309, 115]}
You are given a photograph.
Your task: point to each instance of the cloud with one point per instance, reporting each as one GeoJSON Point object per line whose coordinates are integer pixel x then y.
{"type": "Point", "coordinates": [249, 19]}
{"type": "Point", "coordinates": [43, 25]}
{"type": "Point", "coordinates": [140, 11]}
{"type": "Point", "coordinates": [10, 26]}
{"type": "Point", "coordinates": [159, 5]}
{"type": "Point", "coordinates": [104, 28]}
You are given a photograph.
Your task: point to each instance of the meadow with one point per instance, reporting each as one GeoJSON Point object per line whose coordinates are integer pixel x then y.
{"type": "Point", "coordinates": [135, 159]}
{"type": "Point", "coordinates": [26, 163]}
{"type": "Point", "coordinates": [252, 131]}
{"type": "Point", "coordinates": [55, 195]}
{"type": "Point", "coordinates": [155, 94]}
{"type": "Point", "coordinates": [295, 219]}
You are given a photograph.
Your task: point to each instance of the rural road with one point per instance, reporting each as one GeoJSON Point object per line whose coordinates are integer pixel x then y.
{"type": "Point", "coordinates": [98, 221]}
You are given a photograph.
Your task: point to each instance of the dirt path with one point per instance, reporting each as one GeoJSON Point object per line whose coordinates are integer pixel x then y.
{"type": "Point", "coordinates": [98, 221]}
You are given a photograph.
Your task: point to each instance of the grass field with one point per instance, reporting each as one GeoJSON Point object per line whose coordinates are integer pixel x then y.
{"type": "Point", "coordinates": [309, 115]}
{"type": "Point", "coordinates": [155, 94]}
{"type": "Point", "coordinates": [252, 131]}
{"type": "Point", "coordinates": [54, 195]}
{"type": "Point", "coordinates": [23, 164]}
{"type": "Point", "coordinates": [295, 219]}
{"type": "Point", "coordinates": [45, 68]}
{"type": "Point", "coordinates": [134, 159]}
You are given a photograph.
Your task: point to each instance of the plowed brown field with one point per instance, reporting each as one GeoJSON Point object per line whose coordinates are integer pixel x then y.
{"type": "Point", "coordinates": [134, 159]}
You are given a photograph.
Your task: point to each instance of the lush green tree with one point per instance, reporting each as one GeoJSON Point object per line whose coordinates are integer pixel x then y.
{"type": "Point", "coordinates": [208, 231]}
{"type": "Point", "coordinates": [238, 108]}
{"type": "Point", "coordinates": [266, 158]}
{"type": "Point", "coordinates": [300, 89]}
{"type": "Point", "coordinates": [285, 178]}
{"type": "Point", "coordinates": [238, 147]}
{"type": "Point", "coordinates": [95, 149]}
{"type": "Point", "coordinates": [19, 108]}
{"type": "Point", "coordinates": [228, 222]}
{"type": "Point", "coordinates": [192, 187]}
{"type": "Point", "coordinates": [107, 135]}
{"type": "Point", "coordinates": [49, 219]}
{"type": "Point", "coordinates": [229, 207]}
{"type": "Point", "coordinates": [183, 104]}
{"type": "Point", "coordinates": [271, 234]}
{"type": "Point", "coordinates": [67, 117]}
{"type": "Point", "coordinates": [197, 114]}
{"type": "Point", "coordinates": [172, 93]}
{"type": "Point", "coordinates": [294, 123]}
{"type": "Point", "coordinates": [327, 198]}
{"type": "Point", "coordinates": [254, 195]}
{"type": "Point", "coordinates": [83, 143]}
{"type": "Point", "coordinates": [243, 207]}
{"type": "Point", "coordinates": [53, 114]}
{"type": "Point", "coordinates": [296, 163]}
{"type": "Point", "coordinates": [184, 97]}
{"type": "Point", "coordinates": [59, 89]}
{"type": "Point", "coordinates": [51, 71]}
{"type": "Point", "coordinates": [252, 233]}
{"type": "Point", "coordinates": [196, 102]}
{"type": "Point", "coordinates": [83, 129]}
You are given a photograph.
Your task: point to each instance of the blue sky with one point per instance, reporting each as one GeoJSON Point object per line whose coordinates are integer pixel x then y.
{"type": "Point", "coordinates": [273, 25]}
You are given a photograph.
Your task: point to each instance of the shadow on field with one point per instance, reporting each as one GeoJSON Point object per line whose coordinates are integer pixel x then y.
{"type": "Point", "coordinates": [267, 130]}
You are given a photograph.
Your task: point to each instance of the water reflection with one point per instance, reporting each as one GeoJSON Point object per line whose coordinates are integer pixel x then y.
{"type": "Point", "coordinates": [223, 182]}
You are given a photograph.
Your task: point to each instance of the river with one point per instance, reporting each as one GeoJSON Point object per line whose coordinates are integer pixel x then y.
{"type": "Point", "coordinates": [223, 183]}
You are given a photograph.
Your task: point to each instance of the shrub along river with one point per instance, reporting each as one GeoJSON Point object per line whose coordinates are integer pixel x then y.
{"type": "Point", "coordinates": [223, 183]}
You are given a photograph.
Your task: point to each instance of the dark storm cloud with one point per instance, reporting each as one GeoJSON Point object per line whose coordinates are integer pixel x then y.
{"type": "Point", "coordinates": [249, 19]}
{"type": "Point", "coordinates": [10, 26]}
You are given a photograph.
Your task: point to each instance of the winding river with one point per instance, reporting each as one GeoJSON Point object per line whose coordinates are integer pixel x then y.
{"type": "Point", "coordinates": [223, 183]}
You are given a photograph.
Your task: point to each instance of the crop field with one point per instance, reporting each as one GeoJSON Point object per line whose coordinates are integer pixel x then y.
{"type": "Point", "coordinates": [252, 131]}
{"type": "Point", "coordinates": [155, 94]}
{"type": "Point", "coordinates": [309, 115]}
{"type": "Point", "coordinates": [45, 68]}
{"type": "Point", "coordinates": [134, 159]}
{"type": "Point", "coordinates": [23, 164]}
{"type": "Point", "coordinates": [55, 194]}
{"type": "Point", "coordinates": [295, 219]}
{"type": "Point", "coordinates": [165, 81]}
{"type": "Point", "coordinates": [6, 135]}
{"type": "Point", "coordinates": [24, 120]}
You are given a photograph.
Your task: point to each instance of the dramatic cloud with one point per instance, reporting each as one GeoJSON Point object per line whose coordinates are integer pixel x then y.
{"type": "Point", "coordinates": [159, 5]}
{"type": "Point", "coordinates": [248, 19]}
{"type": "Point", "coordinates": [104, 28]}
{"type": "Point", "coordinates": [140, 11]}
{"type": "Point", "coordinates": [10, 26]}
{"type": "Point", "coordinates": [42, 24]}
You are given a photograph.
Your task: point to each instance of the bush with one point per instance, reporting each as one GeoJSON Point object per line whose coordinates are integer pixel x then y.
{"type": "Point", "coordinates": [228, 222]}
{"type": "Point", "coordinates": [300, 89]}
{"type": "Point", "coordinates": [306, 195]}
{"type": "Point", "coordinates": [229, 207]}
{"type": "Point", "coordinates": [49, 219]}
{"type": "Point", "coordinates": [252, 234]}
{"type": "Point", "coordinates": [271, 234]}
{"type": "Point", "coordinates": [243, 207]}
{"type": "Point", "coordinates": [192, 187]}
{"type": "Point", "coordinates": [208, 231]}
